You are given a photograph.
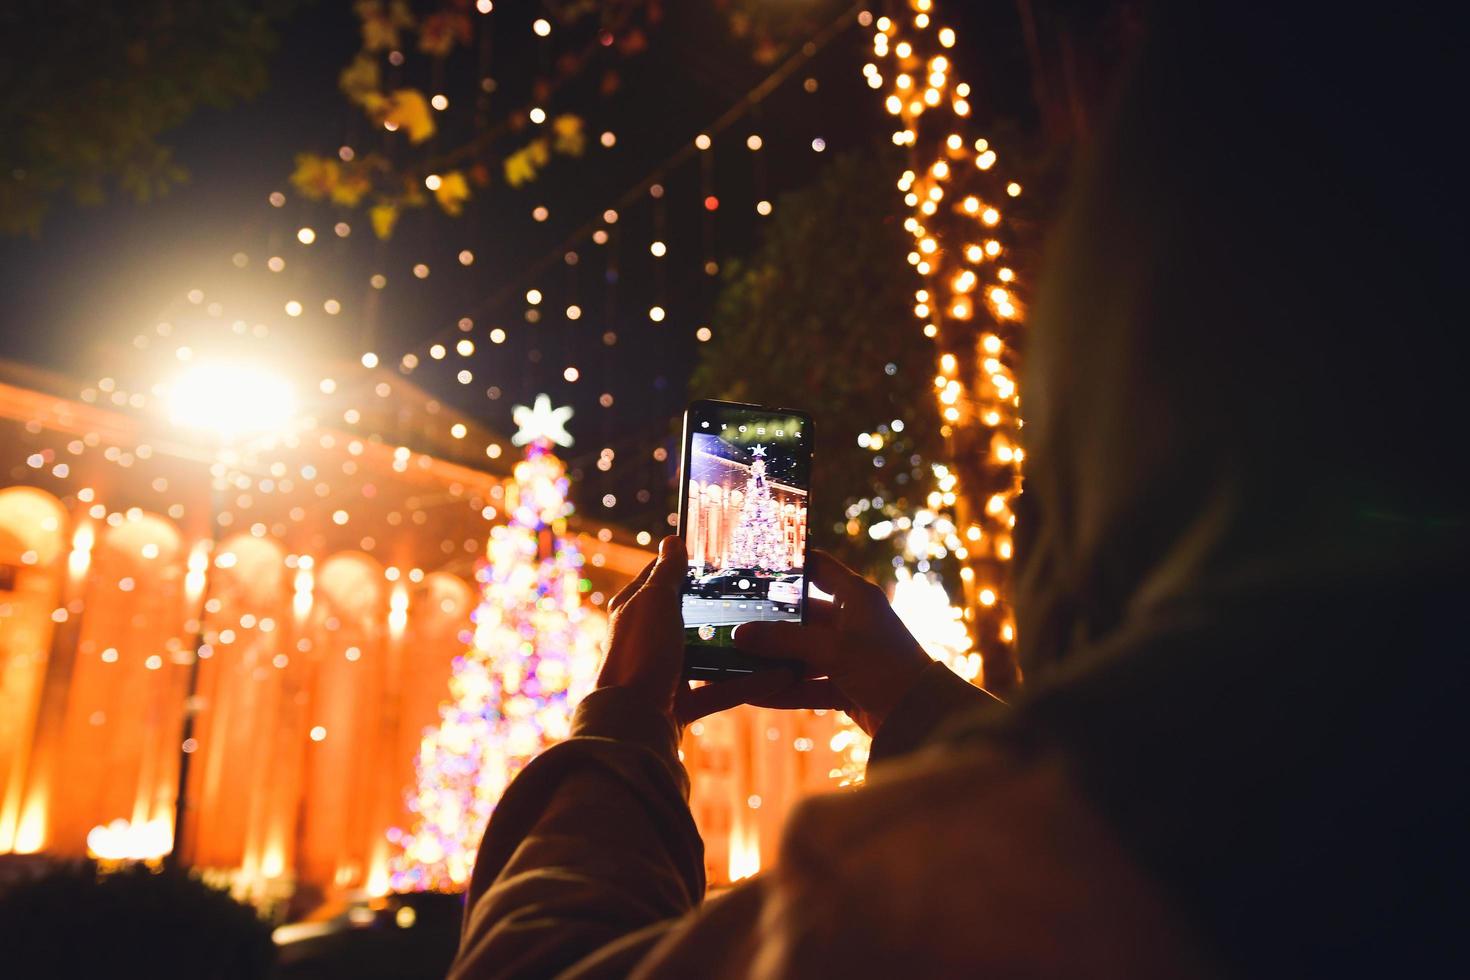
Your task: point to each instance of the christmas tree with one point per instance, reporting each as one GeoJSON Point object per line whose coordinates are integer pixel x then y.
{"type": "Point", "coordinates": [758, 540]}
{"type": "Point", "coordinates": [512, 691]}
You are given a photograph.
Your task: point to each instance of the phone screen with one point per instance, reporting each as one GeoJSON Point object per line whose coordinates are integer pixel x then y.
{"type": "Point", "coordinates": [743, 515]}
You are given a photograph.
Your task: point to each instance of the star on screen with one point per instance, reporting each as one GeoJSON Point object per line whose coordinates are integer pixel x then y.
{"type": "Point", "coordinates": [541, 422]}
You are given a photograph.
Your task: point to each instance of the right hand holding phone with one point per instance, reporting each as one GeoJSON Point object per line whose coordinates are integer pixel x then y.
{"type": "Point", "coordinates": [856, 641]}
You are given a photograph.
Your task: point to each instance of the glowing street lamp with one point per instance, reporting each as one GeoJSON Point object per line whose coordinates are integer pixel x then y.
{"type": "Point", "coordinates": [231, 400]}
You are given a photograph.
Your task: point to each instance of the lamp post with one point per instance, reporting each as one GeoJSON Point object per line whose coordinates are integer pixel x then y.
{"type": "Point", "coordinates": [233, 405]}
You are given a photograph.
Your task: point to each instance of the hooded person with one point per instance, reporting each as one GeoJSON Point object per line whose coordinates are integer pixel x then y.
{"type": "Point", "coordinates": [1242, 545]}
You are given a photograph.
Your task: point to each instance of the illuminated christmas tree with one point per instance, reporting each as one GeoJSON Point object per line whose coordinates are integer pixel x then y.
{"type": "Point", "coordinates": [758, 540]}
{"type": "Point", "coordinates": [512, 691]}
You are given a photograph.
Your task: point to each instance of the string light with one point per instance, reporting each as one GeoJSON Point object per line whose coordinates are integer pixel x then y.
{"type": "Point", "coordinates": [966, 299]}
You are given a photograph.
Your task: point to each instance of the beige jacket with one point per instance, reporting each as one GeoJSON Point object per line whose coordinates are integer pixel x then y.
{"type": "Point", "coordinates": [945, 864]}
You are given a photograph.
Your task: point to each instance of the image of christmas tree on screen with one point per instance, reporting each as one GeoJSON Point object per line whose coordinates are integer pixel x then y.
{"type": "Point", "coordinates": [759, 541]}
{"type": "Point", "coordinates": [746, 530]}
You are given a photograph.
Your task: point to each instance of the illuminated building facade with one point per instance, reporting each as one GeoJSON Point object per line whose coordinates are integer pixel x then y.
{"type": "Point", "coordinates": [325, 622]}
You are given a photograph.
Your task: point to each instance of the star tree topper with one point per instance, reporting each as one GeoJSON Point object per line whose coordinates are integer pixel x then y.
{"type": "Point", "coordinates": [541, 422]}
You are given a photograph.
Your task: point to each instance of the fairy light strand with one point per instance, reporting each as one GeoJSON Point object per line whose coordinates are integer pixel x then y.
{"type": "Point", "coordinates": [970, 304]}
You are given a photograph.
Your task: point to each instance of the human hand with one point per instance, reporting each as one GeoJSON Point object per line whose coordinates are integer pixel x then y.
{"type": "Point", "coordinates": [645, 648]}
{"type": "Point", "coordinates": [856, 641]}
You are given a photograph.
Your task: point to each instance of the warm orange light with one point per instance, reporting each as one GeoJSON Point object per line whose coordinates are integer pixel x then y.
{"type": "Point", "coordinates": [745, 853]}
{"type": "Point", "coordinates": [123, 840]}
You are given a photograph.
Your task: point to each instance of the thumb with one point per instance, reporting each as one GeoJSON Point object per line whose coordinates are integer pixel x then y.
{"type": "Point", "coordinates": [692, 703]}
{"type": "Point", "coordinates": [672, 564]}
{"type": "Point", "coordinates": [815, 646]}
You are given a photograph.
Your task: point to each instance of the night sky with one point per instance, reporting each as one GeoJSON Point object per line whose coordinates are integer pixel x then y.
{"type": "Point", "coordinates": [100, 276]}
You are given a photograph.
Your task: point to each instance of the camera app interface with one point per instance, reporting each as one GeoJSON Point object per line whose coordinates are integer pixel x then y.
{"type": "Point", "coordinates": [745, 521]}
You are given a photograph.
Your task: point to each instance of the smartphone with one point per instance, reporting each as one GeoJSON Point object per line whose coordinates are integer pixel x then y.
{"type": "Point", "coordinates": [744, 477]}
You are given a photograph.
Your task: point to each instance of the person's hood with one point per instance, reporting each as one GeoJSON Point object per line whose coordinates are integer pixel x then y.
{"type": "Point", "coordinates": [1243, 530]}
{"type": "Point", "coordinates": [1240, 376]}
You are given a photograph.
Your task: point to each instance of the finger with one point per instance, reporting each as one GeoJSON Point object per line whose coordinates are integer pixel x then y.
{"type": "Point", "coordinates": [626, 592]}
{"type": "Point", "coordinates": [820, 612]}
{"type": "Point", "coordinates": [833, 577]}
{"type": "Point", "coordinates": [814, 645]}
{"type": "Point", "coordinates": [672, 564]}
{"type": "Point", "coordinates": [692, 703]}
{"type": "Point", "coordinates": [820, 694]}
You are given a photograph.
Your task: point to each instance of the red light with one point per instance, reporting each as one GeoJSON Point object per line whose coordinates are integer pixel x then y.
{"type": "Point", "coordinates": [712, 203]}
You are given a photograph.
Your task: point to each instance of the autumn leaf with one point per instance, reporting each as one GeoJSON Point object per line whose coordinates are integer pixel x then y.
{"type": "Point", "coordinates": [633, 42]}
{"type": "Point", "coordinates": [375, 104]}
{"type": "Point", "coordinates": [519, 169]}
{"type": "Point", "coordinates": [539, 151]}
{"type": "Point", "coordinates": [409, 111]}
{"type": "Point", "coordinates": [452, 192]}
{"type": "Point", "coordinates": [315, 176]}
{"type": "Point", "coordinates": [384, 217]}
{"type": "Point", "coordinates": [351, 186]}
{"type": "Point", "coordinates": [381, 23]}
{"type": "Point", "coordinates": [569, 137]}
{"type": "Point", "coordinates": [360, 79]}
{"type": "Point", "coordinates": [413, 192]}
{"type": "Point", "coordinates": [440, 32]}
{"type": "Point", "coordinates": [569, 64]}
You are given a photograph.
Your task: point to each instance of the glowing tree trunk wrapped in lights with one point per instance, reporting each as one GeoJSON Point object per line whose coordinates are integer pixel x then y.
{"type": "Point", "coordinates": [969, 304]}
{"type": "Point", "coordinates": [758, 540]}
{"type": "Point", "coordinates": [512, 691]}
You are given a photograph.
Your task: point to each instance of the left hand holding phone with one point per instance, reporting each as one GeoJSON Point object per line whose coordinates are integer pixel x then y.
{"type": "Point", "coordinates": [645, 648]}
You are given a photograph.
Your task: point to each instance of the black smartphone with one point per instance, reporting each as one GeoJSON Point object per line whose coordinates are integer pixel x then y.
{"type": "Point", "coordinates": [744, 477]}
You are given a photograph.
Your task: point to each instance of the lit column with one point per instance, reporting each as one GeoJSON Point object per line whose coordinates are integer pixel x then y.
{"type": "Point", "coordinates": [31, 830]}
{"type": "Point", "coordinates": [232, 402]}
{"type": "Point", "coordinates": [385, 788]}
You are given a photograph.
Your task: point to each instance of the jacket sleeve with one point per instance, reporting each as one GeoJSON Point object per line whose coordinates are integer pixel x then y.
{"type": "Point", "coordinates": [591, 850]}
{"type": "Point", "coordinates": [592, 856]}
{"type": "Point", "coordinates": [937, 697]}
